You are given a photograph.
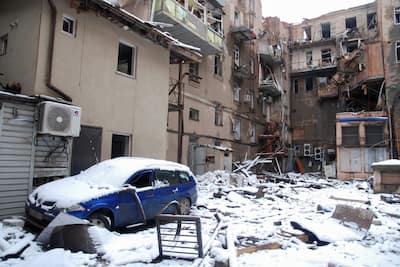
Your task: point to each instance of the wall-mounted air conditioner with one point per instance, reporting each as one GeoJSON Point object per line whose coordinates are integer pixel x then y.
{"type": "Point", "coordinates": [59, 119]}
{"type": "Point", "coordinates": [247, 98]}
{"type": "Point", "coordinates": [307, 150]}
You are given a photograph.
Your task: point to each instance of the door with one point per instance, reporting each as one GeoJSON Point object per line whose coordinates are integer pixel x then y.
{"type": "Point", "coordinates": [86, 149]}
{"type": "Point", "coordinates": [166, 183]}
{"type": "Point", "coordinates": [200, 160]}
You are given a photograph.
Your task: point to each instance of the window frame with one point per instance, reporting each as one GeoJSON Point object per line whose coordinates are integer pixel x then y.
{"type": "Point", "coordinates": [69, 19]}
{"type": "Point", "coordinates": [396, 10]}
{"type": "Point", "coordinates": [133, 59]}
{"type": "Point", "coordinates": [3, 44]}
{"type": "Point", "coordinates": [236, 128]}
{"type": "Point", "coordinates": [327, 27]}
{"type": "Point", "coordinates": [397, 51]}
{"type": "Point", "coordinates": [219, 116]}
{"type": "Point", "coordinates": [252, 133]}
{"type": "Point", "coordinates": [296, 86]}
{"type": "Point", "coordinates": [306, 82]}
{"type": "Point", "coordinates": [236, 94]}
{"type": "Point", "coordinates": [128, 144]}
{"type": "Point", "coordinates": [194, 114]}
{"type": "Point", "coordinates": [218, 65]}
{"type": "Point", "coordinates": [347, 21]}
{"type": "Point", "coordinates": [194, 72]}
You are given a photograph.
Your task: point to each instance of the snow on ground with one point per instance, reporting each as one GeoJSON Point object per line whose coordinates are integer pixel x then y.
{"type": "Point", "coordinates": [255, 216]}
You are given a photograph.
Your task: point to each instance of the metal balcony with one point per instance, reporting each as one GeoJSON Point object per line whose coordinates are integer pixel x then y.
{"type": "Point", "coordinates": [269, 54]}
{"type": "Point", "coordinates": [241, 72]}
{"type": "Point", "coordinates": [187, 27]}
{"type": "Point", "coordinates": [243, 33]}
{"type": "Point", "coordinates": [269, 88]}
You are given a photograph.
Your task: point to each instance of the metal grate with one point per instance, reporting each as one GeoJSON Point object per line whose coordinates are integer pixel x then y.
{"type": "Point", "coordinates": [179, 236]}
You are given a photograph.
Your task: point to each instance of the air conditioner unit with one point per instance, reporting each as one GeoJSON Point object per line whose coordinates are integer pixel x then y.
{"type": "Point", "coordinates": [247, 98]}
{"type": "Point", "coordinates": [307, 150]}
{"type": "Point", "coordinates": [318, 153]}
{"type": "Point", "coordinates": [59, 119]}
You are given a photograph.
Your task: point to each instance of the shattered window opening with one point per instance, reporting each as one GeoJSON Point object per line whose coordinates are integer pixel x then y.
{"type": "Point", "coordinates": [350, 136]}
{"type": "Point", "coordinates": [326, 30]}
{"type": "Point", "coordinates": [143, 180]}
{"type": "Point", "coordinates": [296, 86]}
{"type": "Point", "coordinates": [218, 65]}
{"type": "Point", "coordinates": [3, 44]}
{"type": "Point", "coordinates": [236, 55]}
{"type": "Point", "coordinates": [309, 84]}
{"type": "Point", "coordinates": [219, 115]}
{"type": "Point", "coordinates": [396, 15]}
{"type": "Point", "coordinates": [371, 21]}
{"type": "Point", "coordinates": [236, 129]}
{"type": "Point", "coordinates": [351, 23]}
{"type": "Point", "coordinates": [307, 33]}
{"type": "Point", "coordinates": [350, 47]}
{"type": "Point", "coordinates": [126, 59]}
{"type": "Point", "coordinates": [326, 56]}
{"type": "Point", "coordinates": [120, 145]}
{"type": "Point", "coordinates": [374, 135]}
{"type": "Point", "coordinates": [236, 94]}
{"type": "Point", "coordinates": [194, 72]}
{"type": "Point", "coordinates": [252, 133]}
{"type": "Point", "coordinates": [194, 114]}
{"type": "Point", "coordinates": [397, 51]}
{"type": "Point", "coordinates": [309, 58]}
{"type": "Point", "coordinates": [68, 25]}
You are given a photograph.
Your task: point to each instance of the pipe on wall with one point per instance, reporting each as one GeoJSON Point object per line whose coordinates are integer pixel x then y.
{"type": "Point", "coordinates": [51, 54]}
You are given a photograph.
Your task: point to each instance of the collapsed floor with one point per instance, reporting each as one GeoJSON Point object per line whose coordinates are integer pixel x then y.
{"type": "Point", "coordinates": [260, 214]}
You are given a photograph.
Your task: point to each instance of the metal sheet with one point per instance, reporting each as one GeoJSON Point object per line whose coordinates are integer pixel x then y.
{"type": "Point", "coordinates": [350, 159]}
{"type": "Point", "coordinates": [374, 155]}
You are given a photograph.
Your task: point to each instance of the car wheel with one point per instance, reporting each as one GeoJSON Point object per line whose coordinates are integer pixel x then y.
{"type": "Point", "coordinates": [100, 220]}
{"type": "Point", "coordinates": [185, 206]}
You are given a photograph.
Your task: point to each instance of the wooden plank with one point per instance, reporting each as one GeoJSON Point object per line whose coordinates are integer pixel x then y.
{"type": "Point", "coordinates": [274, 245]}
{"type": "Point", "coordinates": [12, 187]}
{"type": "Point", "coordinates": [6, 157]}
{"type": "Point", "coordinates": [50, 172]}
{"type": "Point", "coordinates": [15, 146]}
{"type": "Point", "coordinates": [10, 181]}
{"type": "Point", "coordinates": [361, 217]}
{"type": "Point", "coordinates": [16, 151]}
{"type": "Point", "coordinates": [14, 170]}
{"type": "Point", "coordinates": [388, 178]}
{"type": "Point", "coordinates": [51, 164]}
{"type": "Point", "coordinates": [14, 163]}
{"type": "Point", "coordinates": [364, 201]}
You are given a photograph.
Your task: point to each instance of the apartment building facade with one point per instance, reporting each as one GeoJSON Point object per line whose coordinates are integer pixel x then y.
{"type": "Point", "coordinates": [101, 58]}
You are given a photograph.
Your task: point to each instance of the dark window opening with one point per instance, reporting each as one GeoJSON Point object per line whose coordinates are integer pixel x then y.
{"type": "Point", "coordinates": [326, 56]}
{"type": "Point", "coordinates": [397, 15]}
{"type": "Point", "coordinates": [326, 30]}
{"type": "Point", "coordinates": [217, 65]}
{"type": "Point", "coordinates": [219, 119]}
{"type": "Point", "coordinates": [126, 59]}
{"type": "Point", "coordinates": [119, 146]}
{"type": "Point", "coordinates": [350, 136]}
{"type": "Point", "coordinates": [194, 114]}
{"type": "Point", "coordinates": [309, 58]}
{"type": "Point", "coordinates": [351, 23]}
{"type": "Point", "coordinates": [68, 25]}
{"type": "Point", "coordinates": [166, 178]}
{"type": "Point", "coordinates": [397, 51]}
{"type": "Point", "coordinates": [374, 135]}
{"type": "Point", "coordinates": [194, 72]}
{"type": "Point", "coordinates": [307, 33]}
{"type": "Point", "coordinates": [3, 44]}
{"type": "Point", "coordinates": [183, 177]}
{"type": "Point", "coordinates": [351, 47]}
{"type": "Point", "coordinates": [371, 21]}
{"type": "Point", "coordinates": [296, 86]}
{"type": "Point", "coordinates": [322, 82]}
{"type": "Point", "coordinates": [143, 180]}
{"type": "Point", "coordinates": [309, 84]}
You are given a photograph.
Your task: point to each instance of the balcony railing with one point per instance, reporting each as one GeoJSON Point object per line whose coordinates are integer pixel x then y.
{"type": "Point", "coordinates": [304, 66]}
{"type": "Point", "coordinates": [241, 72]}
{"type": "Point", "coordinates": [270, 54]}
{"type": "Point", "coordinates": [269, 88]}
{"type": "Point", "coordinates": [187, 27]}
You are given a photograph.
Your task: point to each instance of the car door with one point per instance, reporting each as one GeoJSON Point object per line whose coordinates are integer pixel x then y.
{"type": "Point", "coordinates": [166, 186]}
{"type": "Point", "coordinates": [135, 202]}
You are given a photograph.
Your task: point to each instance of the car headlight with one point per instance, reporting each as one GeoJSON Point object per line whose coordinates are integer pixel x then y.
{"type": "Point", "coordinates": [75, 207]}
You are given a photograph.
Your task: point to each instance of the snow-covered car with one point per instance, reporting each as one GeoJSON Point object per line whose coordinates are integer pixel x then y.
{"type": "Point", "coordinates": [115, 193]}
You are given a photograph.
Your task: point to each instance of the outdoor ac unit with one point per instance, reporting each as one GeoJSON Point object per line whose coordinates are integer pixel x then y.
{"type": "Point", "coordinates": [247, 98]}
{"type": "Point", "coordinates": [59, 119]}
{"type": "Point", "coordinates": [318, 153]}
{"type": "Point", "coordinates": [307, 150]}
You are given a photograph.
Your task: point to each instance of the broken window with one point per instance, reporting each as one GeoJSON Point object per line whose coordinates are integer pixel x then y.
{"type": "Point", "coordinates": [371, 21]}
{"type": "Point", "coordinates": [194, 114]}
{"type": "Point", "coordinates": [307, 33]}
{"type": "Point", "coordinates": [219, 115]}
{"type": "Point", "coordinates": [252, 133]}
{"type": "Point", "coordinates": [326, 30]}
{"type": "Point", "coordinates": [68, 25]}
{"type": "Point", "coordinates": [194, 72]}
{"type": "Point", "coordinates": [236, 55]}
{"type": "Point", "coordinates": [251, 94]}
{"type": "Point", "coordinates": [374, 135]}
{"type": "Point", "coordinates": [296, 86]}
{"type": "Point", "coordinates": [351, 23]}
{"type": "Point", "coordinates": [397, 51]}
{"type": "Point", "coordinates": [350, 47]}
{"type": "Point", "coordinates": [396, 15]}
{"type": "Point", "coordinates": [236, 20]}
{"type": "Point", "coordinates": [309, 58]}
{"type": "Point", "coordinates": [218, 65]}
{"type": "Point", "coordinates": [126, 59]}
{"type": "Point", "coordinates": [322, 82]}
{"type": "Point", "coordinates": [119, 145]}
{"type": "Point", "coordinates": [236, 129]}
{"type": "Point", "coordinates": [236, 94]}
{"type": "Point", "coordinates": [3, 44]}
{"type": "Point", "coordinates": [309, 84]}
{"type": "Point", "coordinates": [350, 136]}
{"type": "Point", "coordinates": [326, 56]}
{"type": "Point", "coordinates": [143, 180]}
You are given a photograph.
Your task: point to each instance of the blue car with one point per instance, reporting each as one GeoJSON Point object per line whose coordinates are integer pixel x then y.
{"type": "Point", "coordinates": [115, 193]}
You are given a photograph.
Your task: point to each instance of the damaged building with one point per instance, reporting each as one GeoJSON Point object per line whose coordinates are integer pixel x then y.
{"type": "Point", "coordinates": [343, 70]}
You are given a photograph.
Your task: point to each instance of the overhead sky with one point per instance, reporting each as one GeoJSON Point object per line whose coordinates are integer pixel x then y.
{"type": "Point", "coordinates": [294, 10]}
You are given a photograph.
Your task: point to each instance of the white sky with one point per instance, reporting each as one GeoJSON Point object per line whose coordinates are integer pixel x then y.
{"type": "Point", "coordinates": [295, 10]}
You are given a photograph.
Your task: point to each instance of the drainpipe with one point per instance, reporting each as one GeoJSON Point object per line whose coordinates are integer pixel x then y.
{"type": "Point", "coordinates": [153, 10]}
{"type": "Point", "coordinates": [51, 54]}
{"type": "Point", "coordinates": [180, 115]}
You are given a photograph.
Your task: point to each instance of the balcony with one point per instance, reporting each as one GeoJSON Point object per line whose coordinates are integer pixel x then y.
{"type": "Point", "coordinates": [269, 54]}
{"type": "Point", "coordinates": [269, 88]}
{"type": "Point", "coordinates": [313, 65]}
{"type": "Point", "coordinates": [241, 72]}
{"type": "Point", "coordinates": [329, 91]}
{"type": "Point", "coordinates": [242, 33]}
{"type": "Point", "coordinates": [187, 27]}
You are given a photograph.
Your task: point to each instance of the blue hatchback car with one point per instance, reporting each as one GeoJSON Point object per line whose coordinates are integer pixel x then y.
{"type": "Point", "coordinates": [115, 193]}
